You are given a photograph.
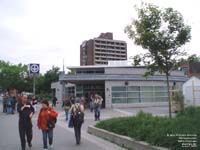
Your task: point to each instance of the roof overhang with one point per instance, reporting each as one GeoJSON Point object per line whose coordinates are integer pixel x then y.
{"type": "Point", "coordinates": [110, 77]}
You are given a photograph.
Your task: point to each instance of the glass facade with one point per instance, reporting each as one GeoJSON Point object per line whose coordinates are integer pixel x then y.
{"type": "Point", "coordinates": [70, 91]}
{"type": "Point", "coordinates": [139, 94]}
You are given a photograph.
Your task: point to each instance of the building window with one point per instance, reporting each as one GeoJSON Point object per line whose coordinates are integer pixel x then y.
{"type": "Point", "coordinates": [139, 94]}
{"type": "Point", "coordinates": [118, 88]}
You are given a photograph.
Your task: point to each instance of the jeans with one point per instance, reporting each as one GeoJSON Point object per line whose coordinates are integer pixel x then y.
{"type": "Point", "coordinates": [66, 114]}
{"type": "Point", "coordinates": [77, 131]}
{"type": "Point", "coordinates": [97, 112]}
{"type": "Point", "coordinates": [49, 134]}
{"type": "Point", "coordinates": [91, 106]}
{"type": "Point", "coordinates": [9, 110]}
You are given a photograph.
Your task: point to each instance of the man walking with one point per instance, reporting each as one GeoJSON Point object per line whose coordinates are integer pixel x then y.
{"type": "Point", "coordinates": [26, 111]}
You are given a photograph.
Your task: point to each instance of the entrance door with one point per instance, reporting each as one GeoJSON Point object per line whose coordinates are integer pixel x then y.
{"type": "Point", "coordinates": [87, 89]}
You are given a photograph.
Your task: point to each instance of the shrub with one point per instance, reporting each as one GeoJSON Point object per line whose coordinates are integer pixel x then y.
{"type": "Point", "coordinates": [154, 130]}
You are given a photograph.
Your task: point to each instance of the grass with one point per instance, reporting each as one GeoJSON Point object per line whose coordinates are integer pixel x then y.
{"type": "Point", "coordinates": [156, 130]}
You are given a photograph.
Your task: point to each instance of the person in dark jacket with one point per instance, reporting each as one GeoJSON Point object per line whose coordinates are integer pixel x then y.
{"type": "Point", "coordinates": [26, 111]}
{"type": "Point", "coordinates": [54, 101]}
{"type": "Point", "coordinates": [5, 104]}
{"type": "Point", "coordinates": [14, 102]}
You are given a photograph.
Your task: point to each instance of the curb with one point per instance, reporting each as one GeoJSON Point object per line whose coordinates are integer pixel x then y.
{"type": "Point", "coordinates": [122, 141]}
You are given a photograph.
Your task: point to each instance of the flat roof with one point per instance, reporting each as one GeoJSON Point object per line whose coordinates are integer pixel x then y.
{"type": "Point", "coordinates": [102, 66]}
{"type": "Point", "coordinates": [110, 40]}
{"type": "Point", "coordinates": [120, 77]}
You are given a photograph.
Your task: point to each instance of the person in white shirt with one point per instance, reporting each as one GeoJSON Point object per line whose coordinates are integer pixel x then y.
{"type": "Point", "coordinates": [97, 106]}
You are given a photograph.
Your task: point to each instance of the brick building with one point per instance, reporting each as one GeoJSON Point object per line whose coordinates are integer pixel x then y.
{"type": "Point", "coordinates": [100, 50]}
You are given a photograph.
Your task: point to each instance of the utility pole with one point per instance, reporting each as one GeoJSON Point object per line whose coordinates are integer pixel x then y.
{"type": "Point", "coordinates": [34, 84]}
{"type": "Point", "coordinates": [34, 70]}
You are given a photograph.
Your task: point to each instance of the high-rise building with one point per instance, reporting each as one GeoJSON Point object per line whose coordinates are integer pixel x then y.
{"type": "Point", "coordinates": [100, 50]}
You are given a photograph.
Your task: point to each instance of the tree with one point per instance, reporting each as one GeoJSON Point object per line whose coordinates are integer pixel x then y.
{"type": "Point", "coordinates": [162, 33]}
{"type": "Point", "coordinates": [190, 59]}
{"type": "Point", "coordinates": [14, 76]}
{"type": "Point", "coordinates": [50, 76]}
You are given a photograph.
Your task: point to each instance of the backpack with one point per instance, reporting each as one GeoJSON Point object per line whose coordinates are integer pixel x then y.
{"type": "Point", "coordinates": [78, 117]}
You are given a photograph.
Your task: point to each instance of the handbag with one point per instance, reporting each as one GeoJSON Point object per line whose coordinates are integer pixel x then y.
{"type": "Point", "coordinates": [51, 123]}
{"type": "Point", "coordinates": [70, 123]}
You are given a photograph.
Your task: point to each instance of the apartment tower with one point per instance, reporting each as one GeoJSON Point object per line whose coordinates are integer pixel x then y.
{"type": "Point", "coordinates": [100, 50]}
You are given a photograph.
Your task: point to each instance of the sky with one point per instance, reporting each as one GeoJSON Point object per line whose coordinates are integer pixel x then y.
{"type": "Point", "coordinates": [50, 31]}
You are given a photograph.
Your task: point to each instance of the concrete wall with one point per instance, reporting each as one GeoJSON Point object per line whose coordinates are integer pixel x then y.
{"type": "Point", "coordinates": [58, 90]}
{"type": "Point", "coordinates": [121, 140]}
{"type": "Point", "coordinates": [136, 71]}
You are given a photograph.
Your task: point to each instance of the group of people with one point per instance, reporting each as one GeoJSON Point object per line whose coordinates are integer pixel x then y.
{"type": "Point", "coordinates": [94, 103]}
{"type": "Point", "coordinates": [9, 104]}
{"type": "Point", "coordinates": [47, 118]}
{"type": "Point", "coordinates": [46, 121]}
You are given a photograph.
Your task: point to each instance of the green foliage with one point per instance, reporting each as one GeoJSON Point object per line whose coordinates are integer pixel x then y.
{"type": "Point", "coordinates": [190, 59]}
{"type": "Point", "coordinates": [162, 33]}
{"type": "Point", "coordinates": [155, 130]}
{"type": "Point", "coordinates": [189, 112]}
{"type": "Point", "coordinates": [50, 76]}
{"type": "Point", "coordinates": [193, 58]}
{"type": "Point", "coordinates": [178, 98]}
{"type": "Point", "coordinates": [14, 76]}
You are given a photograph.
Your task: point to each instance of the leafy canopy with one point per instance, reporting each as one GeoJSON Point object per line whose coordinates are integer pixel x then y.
{"type": "Point", "coordinates": [161, 32]}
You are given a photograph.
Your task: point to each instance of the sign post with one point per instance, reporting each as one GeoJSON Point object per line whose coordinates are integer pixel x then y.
{"type": "Point", "coordinates": [34, 71]}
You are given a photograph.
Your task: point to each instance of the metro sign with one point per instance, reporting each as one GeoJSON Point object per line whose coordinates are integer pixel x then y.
{"type": "Point", "coordinates": [34, 69]}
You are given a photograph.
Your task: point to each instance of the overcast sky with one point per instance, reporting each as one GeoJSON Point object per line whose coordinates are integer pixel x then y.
{"type": "Point", "coordinates": [48, 31]}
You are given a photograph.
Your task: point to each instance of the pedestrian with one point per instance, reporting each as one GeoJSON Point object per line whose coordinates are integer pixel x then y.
{"type": "Point", "coordinates": [26, 111]}
{"type": "Point", "coordinates": [77, 112]}
{"type": "Point", "coordinates": [97, 107]}
{"type": "Point", "coordinates": [91, 102]}
{"type": "Point", "coordinates": [46, 122]}
{"type": "Point", "coordinates": [34, 103]}
{"type": "Point", "coordinates": [54, 101]}
{"type": "Point", "coordinates": [5, 104]}
{"type": "Point", "coordinates": [66, 106]}
{"type": "Point", "coordinates": [9, 105]}
{"type": "Point", "coordinates": [14, 102]}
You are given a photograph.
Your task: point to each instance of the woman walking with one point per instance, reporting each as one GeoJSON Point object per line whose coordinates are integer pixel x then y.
{"type": "Point", "coordinates": [77, 112]}
{"type": "Point", "coordinates": [46, 122]}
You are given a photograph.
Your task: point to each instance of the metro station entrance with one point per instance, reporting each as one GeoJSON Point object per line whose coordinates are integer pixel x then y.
{"type": "Point", "coordinates": [85, 89]}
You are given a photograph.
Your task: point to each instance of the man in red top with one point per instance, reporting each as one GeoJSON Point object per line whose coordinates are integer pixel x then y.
{"type": "Point", "coordinates": [46, 114]}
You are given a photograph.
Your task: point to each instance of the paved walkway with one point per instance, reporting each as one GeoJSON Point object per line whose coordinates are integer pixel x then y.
{"type": "Point", "coordinates": [63, 136]}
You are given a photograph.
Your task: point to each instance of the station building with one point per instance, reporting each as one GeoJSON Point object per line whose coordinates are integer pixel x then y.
{"type": "Point", "coordinates": [121, 86]}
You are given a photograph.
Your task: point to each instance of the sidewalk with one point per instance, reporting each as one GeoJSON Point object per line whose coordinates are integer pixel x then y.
{"type": "Point", "coordinates": [64, 136]}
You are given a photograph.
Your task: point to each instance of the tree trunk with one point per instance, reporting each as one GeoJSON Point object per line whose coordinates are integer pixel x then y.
{"type": "Point", "coordinates": [168, 92]}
